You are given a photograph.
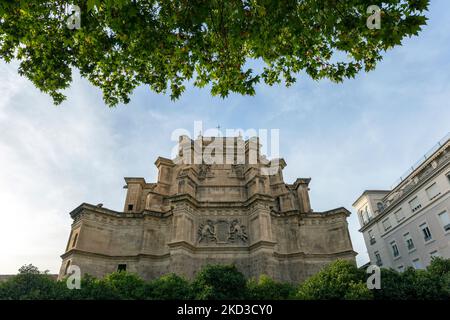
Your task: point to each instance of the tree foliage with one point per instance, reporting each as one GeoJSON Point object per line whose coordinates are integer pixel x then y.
{"type": "Point", "coordinates": [162, 44]}
{"type": "Point", "coordinates": [265, 288]}
{"type": "Point", "coordinates": [430, 284]}
{"type": "Point", "coordinates": [219, 282]}
{"type": "Point", "coordinates": [29, 284]}
{"type": "Point", "coordinates": [339, 280]}
{"type": "Point", "coordinates": [170, 287]}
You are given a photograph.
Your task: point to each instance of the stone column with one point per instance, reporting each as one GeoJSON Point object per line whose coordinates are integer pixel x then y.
{"type": "Point", "coordinates": [134, 194]}
{"type": "Point", "coordinates": [303, 195]}
{"type": "Point", "coordinates": [183, 224]}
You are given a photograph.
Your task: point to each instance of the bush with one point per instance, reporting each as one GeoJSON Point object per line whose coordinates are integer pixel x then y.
{"type": "Point", "coordinates": [170, 287]}
{"type": "Point", "coordinates": [29, 284]}
{"type": "Point", "coordinates": [430, 284]}
{"type": "Point", "coordinates": [339, 280]}
{"type": "Point", "coordinates": [125, 285]}
{"type": "Point", "coordinates": [266, 288]}
{"type": "Point", "coordinates": [219, 282]}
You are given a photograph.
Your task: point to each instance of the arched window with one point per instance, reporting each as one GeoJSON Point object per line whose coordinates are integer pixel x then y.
{"type": "Point", "coordinates": [75, 238]}
{"type": "Point", "coordinates": [67, 267]}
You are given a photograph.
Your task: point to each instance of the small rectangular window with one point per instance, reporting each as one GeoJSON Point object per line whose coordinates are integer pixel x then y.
{"type": "Point", "coordinates": [386, 224]}
{"type": "Point", "coordinates": [400, 268]}
{"type": "Point", "coordinates": [445, 220]}
{"type": "Point", "coordinates": [408, 241]}
{"type": "Point", "coordinates": [433, 191]}
{"type": "Point", "coordinates": [378, 259]}
{"type": "Point", "coordinates": [122, 267]}
{"type": "Point", "coordinates": [394, 247]}
{"type": "Point", "coordinates": [426, 232]}
{"type": "Point", "coordinates": [417, 264]}
{"type": "Point", "coordinates": [415, 204]}
{"type": "Point", "coordinates": [74, 241]}
{"type": "Point", "coordinates": [371, 237]}
{"type": "Point", "coordinates": [130, 207]}
{"type": "Point", "coordinates": [399, 215]}
{"type": "Point", "coordinates": [434, 254]}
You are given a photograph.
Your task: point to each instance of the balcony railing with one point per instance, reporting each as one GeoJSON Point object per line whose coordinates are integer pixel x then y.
{"type": "Point", "coordinates": [422, 160]}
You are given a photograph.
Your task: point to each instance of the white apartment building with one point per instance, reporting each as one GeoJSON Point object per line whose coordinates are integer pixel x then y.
{"type": "Point", "coordinates": [410, 224]}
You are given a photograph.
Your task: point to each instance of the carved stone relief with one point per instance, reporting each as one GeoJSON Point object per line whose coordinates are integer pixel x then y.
{"type": "Point", "coordinates": [222, 231]}
{"type": "Point", "coordinates": [238, 170]}
{"type": "Point", "coordinates": [204, 171]}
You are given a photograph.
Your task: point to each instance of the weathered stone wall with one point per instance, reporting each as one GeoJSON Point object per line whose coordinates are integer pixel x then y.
{"type": "Point", "coordinates": [198, 214]}
{"type": "Point", "coordinates": [288, 248]}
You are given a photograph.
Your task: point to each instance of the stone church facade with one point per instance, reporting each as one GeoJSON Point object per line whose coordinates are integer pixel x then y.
{"type": "Point", "coordinates": [236, 210]}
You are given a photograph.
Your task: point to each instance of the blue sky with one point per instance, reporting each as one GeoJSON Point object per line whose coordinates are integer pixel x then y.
{"type": "Point", "coordinates": [361, 134]}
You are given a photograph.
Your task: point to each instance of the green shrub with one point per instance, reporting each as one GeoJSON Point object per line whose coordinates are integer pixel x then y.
{"type": "Point", "coordinates": [125, 285]}
{"type": "Point", "coordinates": [338, 280]}
{"type": "Point", "coordinates": [266, 288]}
{"type": "Point", "coordinates": [219, 282]}
{"type": "Point", "coordinates": [430, 284]}
{"type": "Point", "coordinates": [170, 287]}
{"type": "Point", "coordinates": [29, 284]}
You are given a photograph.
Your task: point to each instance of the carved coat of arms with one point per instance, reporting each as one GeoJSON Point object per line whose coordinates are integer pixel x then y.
{"type": "Point", "coordinates": [222, 232]}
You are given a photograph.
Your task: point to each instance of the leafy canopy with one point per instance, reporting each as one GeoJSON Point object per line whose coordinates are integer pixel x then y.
{"type": "Point", "coordinates": [219, 282]}
{"type": "Point", "coordinates": [123, 44]}
{"type": "Point", "coordinates": [338, 280]}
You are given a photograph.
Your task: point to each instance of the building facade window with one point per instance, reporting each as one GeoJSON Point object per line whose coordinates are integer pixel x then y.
{"type": "Point", "coordinates": [386, 224]}
{"type": "Point", "coordinates": [415, 204]}
{"type": "Point", "coordinates": [400, 268]}
{"type": "Point", "coordinates": [394, 248]}
{"type": "Point", "coordinates": [75, 238]}
{"type": "Point", "coordinates": [130, 207]}
{"type": "Point", "coordinates": [434, 254]}
{"type": "Point", "coordinates": [409, 241]}
{"type": "Point", "coordinates": [122, 267]}
{"type": "Point", "coordinates": [445, 220]}
{"type": "Point", "coordinates": [380, 206]}
{"type": "Point", "coordinates": [399, 215]}
{"type": "Point", "coordinates": [432, 191]}
{"type": "Point", "coordinates": [417, 264]}
{"type": "Point", "coordinates": [378, 260]}
{"type": "Point", "coordinates": [426, 232]}
{"type": "Point", "coordinates": [371, 237]}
